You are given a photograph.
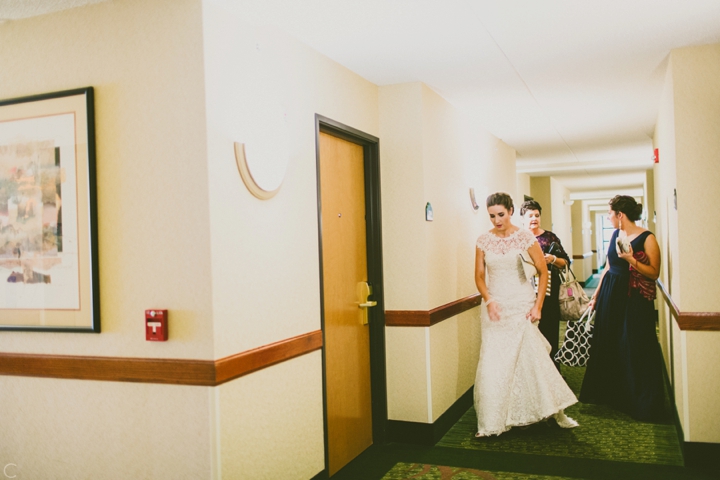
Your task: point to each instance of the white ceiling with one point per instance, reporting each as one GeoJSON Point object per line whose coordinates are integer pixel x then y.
{"type": "Point", "coordinates": [584, 186]}
{"type": "Point", "coordinates": [572, 85]}
{"type": "Point", "coordinates": [17, 9]}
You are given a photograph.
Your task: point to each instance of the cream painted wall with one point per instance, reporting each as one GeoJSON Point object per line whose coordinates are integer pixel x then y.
{"type": "Point", "coordinates": [687, 134]}
{"type": "Point", "coordinates": [541, 192]}
{"type": "Point", "coordinates": [450, 166]}
{"type": "Point", "coordinates": [587, 235]}
{"type": "Point", "coordinates": [550, 194]}
{"type": "Point", "coordinates": [665, 324]}
{"type": "Point", "coordinates": [58, 428]}
{"type": "Point", "coordinates": [580, 214]}
{"type": "Point", "coordinates": [664, 177]}
{"type": "Point", "coordinates": [498, 173]}
{"type": "Point", "coordinates": [144, 60]}
{"type": "Point", "coordinates": [664, 181]}
{"type": "Point", "coordinates": [703, 372]}
{"type": "Point", "coordinates": [154, 64]}
{"type": "Point", "coordinates": [405, 259]}
{"type": "Point", "coordinates": [270, 424]}
{"type": "Point", "coordinates": [429, 264]}
{"type": "Point", "coordinates": [561, 219]}
{"type": "Point", "coordinates": [523, 187]}
{"type": "Point", "coordinates": [250, 70]}
{"type": "Point", "coordinates": [265, 266]}
{"type": "Point", "coordinates": [680, 387]}
{"type": "Point", "coordinates": [409, 385]}
{"type": "Point", "coordinates": [498, 166]}
{"type": "Point", "coordinates": [650, 199]}
{"type": "Point", "coordinates": [697, 141]}
{"type": "Point", "coordinates": [593, 240]}
{"type": "Point", "coordinates": [454, 352]}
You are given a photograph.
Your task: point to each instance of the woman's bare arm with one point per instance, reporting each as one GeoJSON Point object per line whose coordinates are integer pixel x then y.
{"type": "Point", "coordinates": [492, 307]}
{"type": "Point", "coordinates": [538, 259]}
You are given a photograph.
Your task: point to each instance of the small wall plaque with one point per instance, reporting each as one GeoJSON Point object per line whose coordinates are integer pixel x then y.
{"type": "Point", "coordinates": [428, 212]}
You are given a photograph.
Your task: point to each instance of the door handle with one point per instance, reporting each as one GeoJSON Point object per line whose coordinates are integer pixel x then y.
{"type": "Point", "coordinates": [364, 291]}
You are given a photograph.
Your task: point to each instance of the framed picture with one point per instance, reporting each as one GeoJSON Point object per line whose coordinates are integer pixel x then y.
{"type": "Point", "coordinates": [48, 213]}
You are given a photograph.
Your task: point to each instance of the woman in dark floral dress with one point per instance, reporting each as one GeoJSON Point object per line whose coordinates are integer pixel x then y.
{"type": "Point", "coordinates": [557, 260]}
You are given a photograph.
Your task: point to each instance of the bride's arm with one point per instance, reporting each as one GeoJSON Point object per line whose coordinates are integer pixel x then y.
{"type": "Point", "coordinates": [493, 309]}
{"type": "Point", "coordinates": [539, 260]}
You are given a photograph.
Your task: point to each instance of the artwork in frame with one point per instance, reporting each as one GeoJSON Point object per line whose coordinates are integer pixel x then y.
{"type": "Point", "coordinates": [48, 213]}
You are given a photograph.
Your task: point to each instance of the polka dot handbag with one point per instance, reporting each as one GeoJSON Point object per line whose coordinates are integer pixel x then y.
{"type": "Point", "coordinates": [575, 349]}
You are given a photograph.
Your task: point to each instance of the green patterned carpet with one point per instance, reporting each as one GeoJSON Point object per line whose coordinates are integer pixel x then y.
{"type": "Point", "coordinates": [419, 471]}
{"type": "Point", "coordinates": [604, 434]}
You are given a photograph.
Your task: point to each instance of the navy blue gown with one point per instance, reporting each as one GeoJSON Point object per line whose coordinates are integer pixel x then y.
{"type": "Point", "coordinates": [625, 365]}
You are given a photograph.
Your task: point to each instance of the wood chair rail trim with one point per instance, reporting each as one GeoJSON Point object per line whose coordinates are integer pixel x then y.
{"type": "Point", "coordinates": [427, 318]}
{"type": "Point", "coordinates": [690, 321]}
{"type": "Point", "coordinates": [209, 373]}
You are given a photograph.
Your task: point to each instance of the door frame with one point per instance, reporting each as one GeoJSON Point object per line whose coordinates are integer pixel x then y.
{"type": "Point", "coordinates": [376, 315]}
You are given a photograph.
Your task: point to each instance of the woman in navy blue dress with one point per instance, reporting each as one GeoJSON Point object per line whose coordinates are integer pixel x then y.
{"type": "Point", "coordinates": [625, 365]}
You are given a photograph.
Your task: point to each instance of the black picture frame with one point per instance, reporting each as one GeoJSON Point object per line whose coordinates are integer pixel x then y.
{"type": "Point", "coordinates": [49, 279]}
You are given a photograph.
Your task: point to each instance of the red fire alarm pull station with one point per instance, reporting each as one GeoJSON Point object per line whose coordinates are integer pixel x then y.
{"type": "Point", "coordinates": [656, 155]}
{"type": "Point", "coordinates": [156, 325]}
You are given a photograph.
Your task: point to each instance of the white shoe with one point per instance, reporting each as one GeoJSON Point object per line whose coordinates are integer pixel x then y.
{"type": "Point", "coordinates": [564, 421]}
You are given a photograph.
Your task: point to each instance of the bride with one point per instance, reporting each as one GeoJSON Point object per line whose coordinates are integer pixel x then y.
{"type": "Point", "coordinates": [516, 382]}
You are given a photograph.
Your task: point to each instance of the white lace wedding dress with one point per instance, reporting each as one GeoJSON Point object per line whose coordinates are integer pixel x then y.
{"type": "Point", "coordinates": [516, 381]}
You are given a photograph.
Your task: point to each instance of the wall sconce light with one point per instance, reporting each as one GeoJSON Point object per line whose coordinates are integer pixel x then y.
{"type": "Point", "coordinates": [263, 156]}
{"type": "Point", "coordinates": [472, 199]}
{"type": "Point", "coordinates": [568, 202]}
{"type": "Point", "coordinates": [247, 177]}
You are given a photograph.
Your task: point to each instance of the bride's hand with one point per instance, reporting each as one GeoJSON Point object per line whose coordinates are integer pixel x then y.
{"type": "Point", "coordinates": [493, 311]}
{"type": "Point", "coordinates": [534, 314]}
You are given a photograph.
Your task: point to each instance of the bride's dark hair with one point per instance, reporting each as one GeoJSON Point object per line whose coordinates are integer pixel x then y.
{"type": "Point", "coordinates": [500, 198]}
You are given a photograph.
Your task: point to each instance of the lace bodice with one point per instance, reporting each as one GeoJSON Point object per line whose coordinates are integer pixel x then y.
{"type": "Point", "coordinates": [505, 276]}
{"type": "Point", "coordinates": [521, 240]}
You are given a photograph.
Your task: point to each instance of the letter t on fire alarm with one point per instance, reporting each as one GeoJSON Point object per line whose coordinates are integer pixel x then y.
{"type": "Point", "coordinates": [156, 325]}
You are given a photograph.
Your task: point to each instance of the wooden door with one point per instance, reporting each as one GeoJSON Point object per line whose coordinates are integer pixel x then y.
{"type": "Point", "coordinates": [347, 340]}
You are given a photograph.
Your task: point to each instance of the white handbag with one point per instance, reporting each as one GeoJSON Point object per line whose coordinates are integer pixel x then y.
{"type": "Point", "coordinates": [530, 272]}
{"type": "Point", "coordinates": [526, 267]}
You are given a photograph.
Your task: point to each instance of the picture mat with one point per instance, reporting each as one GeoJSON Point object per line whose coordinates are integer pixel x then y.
{"type": "Point", "coordinates": [51, 117]}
